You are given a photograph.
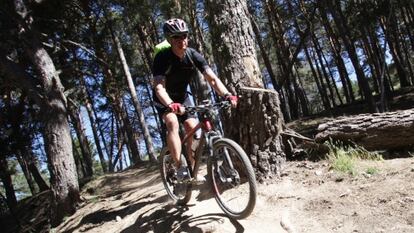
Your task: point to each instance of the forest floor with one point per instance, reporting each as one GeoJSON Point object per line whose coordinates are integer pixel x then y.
{"type": "Point", "coordinates": [307, 197]}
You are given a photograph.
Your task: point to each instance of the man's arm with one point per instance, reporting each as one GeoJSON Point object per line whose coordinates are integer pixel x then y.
{"type": "Point", "coordinates": [215, 82]}
{"type": "Point", "coordinates": [164, 98]}
{"type": "Point", "coordinates": [160, 91]}
{"type": "Point", "coordinates": [219, 87]}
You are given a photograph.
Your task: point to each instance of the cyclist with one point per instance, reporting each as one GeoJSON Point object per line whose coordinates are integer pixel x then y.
{"type": "Point", "coordinates": [173, 69]}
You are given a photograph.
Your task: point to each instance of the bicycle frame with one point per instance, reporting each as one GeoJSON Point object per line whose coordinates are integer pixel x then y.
{"type": "Point", "coordinates": [206, 126]}
{"type": "Point", "coordinates": [208, 136]}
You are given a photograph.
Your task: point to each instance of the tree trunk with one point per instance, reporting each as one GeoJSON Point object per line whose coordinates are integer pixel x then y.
{"type": "Point", "coordinates": [111, 145]}
{"type": "Point", "coordinates": [391, 32]}
{"type": "Point", "coordinates": [407, 22]}
{"type": "Point", "coordinates": [336, 49]}
{"type": "Point", "coordinates": [82, 139]}
{"type": "Point", "coordinates": [64, 180]}
{"type": "Point", "coordinates": [258, 130]}
{"type": "Point", "coordinates": [126, 128]}
{"type": "Point", "coordinates": [6, 179]}
{"type": "Point", "coordinates": [78, 161]}
{"type": "Point", "coordinates": [94, 126]}
{"type": "Point", "coordinates": [25, 168]}
{"type": "Point", "coordinates": [379, 131]}
{"type": "Point", "coordinates": [146, 50]}
{"type": "Point", "coordinates": [28, 163]}
{"type": "Point", "coordinates": [371, 60]}
{"type": "Point", "coordinates": [115, 98]}
{"type": "Point", "coordinates": [137, 104]}
{"type": "Point", "coordinates": [349, 45]}
{"type": "Point", "coordinates": [56, 133]}
{"type": "Point", "coordinates": [275, 33]}
{"type": "Point", "coordinates": [199, 86]}
{"type": "Point", "coordinates": [318, 80]}
{"type": "Point", "coordinates": [263, 52]}
{"type": "Point", "coordinates": [31, 160]}
{"type": "Point", "coordinates": [323, 72]}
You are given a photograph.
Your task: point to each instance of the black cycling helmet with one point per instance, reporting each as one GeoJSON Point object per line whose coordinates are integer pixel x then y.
{"type": "Point", "coordinates": [174, 27]}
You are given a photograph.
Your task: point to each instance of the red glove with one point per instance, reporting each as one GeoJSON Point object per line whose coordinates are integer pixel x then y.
{"type": "Point", "coordinates": [175, 107]}
{"type": "Point", "coordinates": [231, 97]}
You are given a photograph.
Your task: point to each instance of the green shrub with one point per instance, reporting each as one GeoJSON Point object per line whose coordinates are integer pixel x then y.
{"type": "Point", "coordinates": [343, 157]}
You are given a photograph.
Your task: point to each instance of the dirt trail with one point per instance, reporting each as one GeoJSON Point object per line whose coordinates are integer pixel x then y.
{"type": "Point", "coordinates": [307, 198]}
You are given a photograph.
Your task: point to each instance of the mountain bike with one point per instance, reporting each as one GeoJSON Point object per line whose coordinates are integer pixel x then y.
{"type": "Point", "coordinates": [229, 171]}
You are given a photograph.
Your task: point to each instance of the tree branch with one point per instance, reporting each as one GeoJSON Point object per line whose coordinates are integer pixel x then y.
{"type": "Point", "coordinates": [86, 50]}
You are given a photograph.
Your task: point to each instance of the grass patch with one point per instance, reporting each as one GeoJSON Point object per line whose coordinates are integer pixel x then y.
{"type": "Point", "coordinates": [343, 157]}
{"type": "Point", "coordinates": [342, 162]}
{"type": "Point", "coordinates": [371, 170]}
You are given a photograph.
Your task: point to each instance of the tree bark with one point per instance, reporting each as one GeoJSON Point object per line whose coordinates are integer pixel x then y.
{"type": "Point", "coordinates": [378, 131]}
{"type": "Point", "coordinates": [236, 58]}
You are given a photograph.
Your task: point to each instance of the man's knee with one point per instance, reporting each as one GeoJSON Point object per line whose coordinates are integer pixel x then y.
{"type": "Point", "coordinates": [171, 122]}
{"type": "Point", "coordinates": [190, 123]}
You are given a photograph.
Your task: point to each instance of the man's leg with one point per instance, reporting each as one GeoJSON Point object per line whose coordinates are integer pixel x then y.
{"type": "Point", "coordinates": [173, 137]}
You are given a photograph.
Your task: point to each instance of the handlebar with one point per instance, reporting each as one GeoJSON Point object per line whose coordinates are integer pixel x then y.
{"type": "Point", "coordinates": [207, 107]}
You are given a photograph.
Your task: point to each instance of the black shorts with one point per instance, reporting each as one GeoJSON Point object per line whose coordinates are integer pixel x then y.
{"type": "Point", "coordinates": [181, 118]}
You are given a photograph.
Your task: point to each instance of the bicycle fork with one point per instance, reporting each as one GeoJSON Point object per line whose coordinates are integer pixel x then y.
{"type": "Point", "coordinates": [226, 171]}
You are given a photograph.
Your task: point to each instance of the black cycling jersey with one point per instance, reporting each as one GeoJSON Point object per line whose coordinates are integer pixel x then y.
{"type": "Point", "coordinates": [177, 72]}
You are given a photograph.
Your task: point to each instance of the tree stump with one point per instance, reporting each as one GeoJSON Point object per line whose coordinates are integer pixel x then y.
{"type": "Point", "coordinates": [259, 126]}
{"type": "Point", "coordinates": [378, 131]}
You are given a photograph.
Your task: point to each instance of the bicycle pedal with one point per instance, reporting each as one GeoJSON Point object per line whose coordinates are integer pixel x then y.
{"type": "Point", "coordinates": [182, 174]}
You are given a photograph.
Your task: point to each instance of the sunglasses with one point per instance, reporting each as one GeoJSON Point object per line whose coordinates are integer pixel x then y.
{"type": "Point", "coordinates": [179, 37]}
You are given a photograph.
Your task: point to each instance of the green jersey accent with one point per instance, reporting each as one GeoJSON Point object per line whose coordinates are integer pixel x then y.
{"type": "Point", "coordinates": [161, 46]}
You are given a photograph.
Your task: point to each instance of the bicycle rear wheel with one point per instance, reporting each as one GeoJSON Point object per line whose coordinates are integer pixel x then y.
{"type": "Point", "coordinates": [179, 191]}
{"type": "Point", "coordinates": [232, 178]}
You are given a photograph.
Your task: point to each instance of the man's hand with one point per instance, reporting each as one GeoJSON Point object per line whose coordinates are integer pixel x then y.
{"type": "Point", "coordinates": [232, 98]}
{"type": "Point", "coordinates": [176, 108]}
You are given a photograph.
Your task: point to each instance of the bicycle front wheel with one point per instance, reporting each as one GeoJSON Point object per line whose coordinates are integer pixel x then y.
{"type": "Point", "coordinates": [179, 191]}
{"type": "Point", "coordinates": [232, 178]}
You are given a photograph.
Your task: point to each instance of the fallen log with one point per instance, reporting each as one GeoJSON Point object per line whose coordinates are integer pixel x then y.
{"type": "Point", "coordinates": [378, 131]}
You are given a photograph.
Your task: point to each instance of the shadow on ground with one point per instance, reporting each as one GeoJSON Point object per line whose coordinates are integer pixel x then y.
{"type": "Point", "coordinates": [174, 219]}
{"type": "Point", "coordinates": [102, 216]}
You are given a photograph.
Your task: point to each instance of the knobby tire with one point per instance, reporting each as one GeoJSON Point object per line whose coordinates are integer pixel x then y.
{"type": "Point", "coordinates": [247, 184]}
{"type": "Point", "coordinates": [165, 162]}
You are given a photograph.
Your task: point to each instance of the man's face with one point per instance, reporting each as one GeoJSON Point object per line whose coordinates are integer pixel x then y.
{"type": "Point", "coordinates": [179, 41]}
